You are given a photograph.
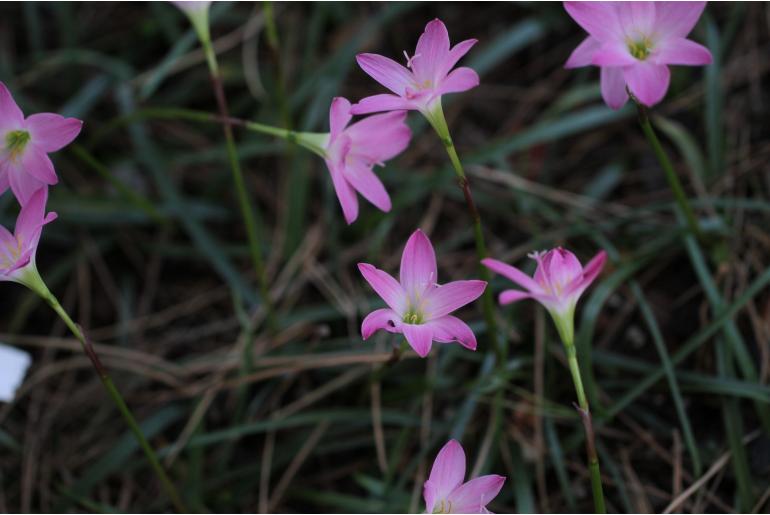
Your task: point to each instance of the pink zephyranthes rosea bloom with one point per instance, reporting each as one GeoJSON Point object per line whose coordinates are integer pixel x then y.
{"type": "Point", "coordinates": [351, 152]}
{"type": "Point", "coordinates": [633, 43]}
{"type": "Point", "coordinates": [428, 74]}
{"type": "Point", "coordinates": [418, 307]}
{"type": "Point", "coordinates": [558, 283]}
{"type": "Point", "coordinates": [17, 251]}
{"type": "Point", "coordinates": [24, 163]}
{"type": "Point", "coordinates": [445, 492]}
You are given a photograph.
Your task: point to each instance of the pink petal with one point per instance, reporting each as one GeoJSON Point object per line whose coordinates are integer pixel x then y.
{"type": "Point", "coordinates": [514, 274]}
{"type": "Point", "coordinates": [584, 53]}
{"type": "Point", "coordinates": [448, 470]}
{"type": "Point", "coordinates": [32, 218]}
{"type": "Point", "coordinates": [682, 52]}
{"type": "Point", "coordinates": [23, 184]}
{"type": "Point", "coordinates": [613, 87]}
{"type": "Point", "coordinates": [51, 132]}
{"type": "Point", "coordinates": [4, 171]}
{"type": "Point", "coordinates": [380, 137]}
{"type": "Point", "coordinates": [648, 82]}
{"type": "Point", "coordinates": [345, 193]}
{"type": "Point", "coordinates": [380, 319]}
{"type": "Point", "coordinates": [510, 296]}
{"type": "Point", "coordinates": [461, 79]}
{"type": "Point", "coordinates": [418, 264]}
{"type": "Point", "coordinates": [11, 117]}
{"type": "Point", "coordinates": [363, 179]}
{"type": "Point", "coordinates": [7, 242]}
{"type": "Point", "coordinates": [561, 268]}
{"type": "Point", "coordinates": [449, 329]}
{"type": "Point", "coordinates": [431, 53]}
{"type": "Point", "coordinates": [592, 269]}
{"type": "Point", "coordinates": [430, 496]}
{"type": "Point", "coordinates": [339, 115]}
{"type": "Point", "coordinates": [452, 296]}
{"type": "Point", "coordinates": [677, 19]}
{"type": "Point", "coordinates": [636, 18]}
{"type": "Point", "coordinates": [387, 72]}
{"type": "Point", "coordinates": [37, 163]}
{"type": "Point", "coordinates": [383, 102]}
{"type": "Point", "coordinates": [599, 19]}
{"type": "Point", "coordinates": [386, 287]}
{"type": "Point", "coordinates": [455, 54]}
{"type": "Point", "coordinates": [419, 337]}
{"type": "Point", "coordinates": [613, 54]}
{"type": "Point", "coordinates": [473, 496]}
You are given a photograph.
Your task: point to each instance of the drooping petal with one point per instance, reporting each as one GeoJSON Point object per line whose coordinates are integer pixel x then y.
{"type": "Point", "coordinates": [431, 52]}
{"type": "Point", "coordinates": [419, 337]}
{"type": "Point", "coordinates": [23, 184]}
{"type": "Point", "coordinates": [452, 296]}
{"type": "Point", "coordinates": [613, 87]}
{"type": "Point", "coordinates": [512, 273]}
{"type": "Point", "coordinates": [473, 496]}
{"type": "Point", "coordinates": [32, 218]}
{"type": "Point", "coordinates": [13, 367]}
{"type": "Point", "coordinates": [636, 18]}
{"type": "Point", "coordinates": [418, 264]}
{"type": "Point", "coordinates": [648, 82]}
{"type": "Point", "coordinates": [448, 471]}
{"type": "Point", "coordinates": [380, 319]}
{"type": "Point", "coordinates": [599, 19]}
{"type": "Point", "coordinates": [37, 163]}
{"type": "Point", "coordinates": [386, 287]}
{"type": "Point", "coordinates": [584, 53]}
{"type": "Point", "coordinates": [682, 52]}
{"type": "Point", "coordinates": [51, 132]}
{"type": "Point", "coordinates": [383, 102]}
{"type": "Point", "coordinates": [449, 329]}
{"type": "Point", "coordinates": [613, 54]}
{"type": "Point", "coordinates": [677, 19]}
{"type": "Point", "coordinates": [380, 137]}
{"type": "Point", "coordinates": [387, 72]}
{"type": "Point", "coordinates": [339, 115]}
{"type": "Point", "coordinates": [461, 79]}
{"type": "Point", "coordinates": [11, 117]}
{"type": "Point", "coordinates": [345, 193]}
{"type": "Point", "coordinates": [364, 180]}
{"type": "Point", "coordinates": [455, 54]}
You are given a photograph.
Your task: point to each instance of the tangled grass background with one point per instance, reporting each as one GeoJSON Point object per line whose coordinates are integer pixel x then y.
{"type": "Point", "coordinates": [149, 254]}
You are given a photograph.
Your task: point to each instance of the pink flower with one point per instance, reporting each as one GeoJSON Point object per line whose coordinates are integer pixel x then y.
{"type": "Point", "coordinates": [24, 163]}
{"type": "Point", "coordinates": [559, 282]}
{"type": "Point", "coordinates": [418, 307]}
{"type": "Point", "coordinates": [428, 74]}
{"type": "Point", "coordinates": [17, 251]}
{"type": "Point", "coordinates": [633, 43]}
{"type": "Point", "coordinates": [352, 152]}
{"type": "Point", "coordinates": [445, 492]}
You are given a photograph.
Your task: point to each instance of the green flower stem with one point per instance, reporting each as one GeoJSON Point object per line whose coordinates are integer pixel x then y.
{"type": "Point", "coordinates": [438, 121]}
{"type": "Point", "coordinates": [665, 163]}
{"type": "Point", "coordinates": [247, 210]}
{"type": "Point", "coordinates": [35, 282]}
{"type": "Point", "coordinates": [585, 415]}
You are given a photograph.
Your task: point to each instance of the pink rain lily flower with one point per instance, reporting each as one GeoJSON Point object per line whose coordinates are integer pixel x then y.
{"type": "Point", "coordinates": [26, 143]}
{"type": "Point", "coordinates": [418, 307]}
{"type": "Point", "coordinates": [17, 251]}
{"type": "Point", "coordinates": [351, 152]}
{"type": "Point", "coordinates": [428, 74]}
{"type": "Point", "coordinates": [558, 283]}
{"type": "Point", "coordinates": [445, 492]}
{"type": "Point", "coordinates": [633, 43]}
{"type": "Point", "coordinates": [13, 367]}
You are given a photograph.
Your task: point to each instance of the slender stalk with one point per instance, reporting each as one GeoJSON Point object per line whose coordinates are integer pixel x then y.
{"type": "Point", "coordinates": [247, 211]}
{"type": "Point", "coordinates": [673, 178]}
{"type": "Point", "coordinates": [585, 415]}
{"type": "Point", "coordinates": [438, 121]}
{"type": "Point", "coordinates": [114, 394]}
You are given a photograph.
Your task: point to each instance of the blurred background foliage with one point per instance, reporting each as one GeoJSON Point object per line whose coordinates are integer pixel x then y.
{"type": "Point", "coordinates": [298, 414]}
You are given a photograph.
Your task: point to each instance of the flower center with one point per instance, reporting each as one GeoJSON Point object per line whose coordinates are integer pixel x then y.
{"type": "Point", "coordinates": [15, 142]}
{"type": "Point", "coordinates": [443, 507]}
{"type": "Point", "coordinates": [413, 316]}
{"type": "Point", "coordinates": [640, 48]}
{"type": "Point", "coordinates": [10, 254]}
